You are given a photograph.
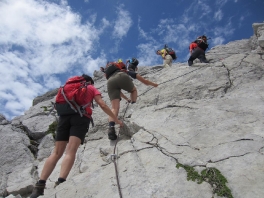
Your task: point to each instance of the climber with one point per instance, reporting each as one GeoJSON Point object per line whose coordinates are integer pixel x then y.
{"type": "Point", "coordinates": [133, 63]}
{"type": "Point", "coordinates": [168, 55]}
{"type": "Point", "coordinates": [197, 50]}
{"type": "Point", "coordinates": [117, 81]}
{"type": "Point", "coordinates": [71, 131]}
{"type": "Point", "coordinates": [132, 68]}
{"type": "Point", "coordinates": [120, 64]}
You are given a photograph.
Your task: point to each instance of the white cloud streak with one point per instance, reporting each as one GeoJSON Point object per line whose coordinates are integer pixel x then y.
{"type": "Point", "coordinates": [221, 3]}
{"type": "Point", "coordinates": [122, 24]}
{"type": "Point", "coordinates": [218, 15]}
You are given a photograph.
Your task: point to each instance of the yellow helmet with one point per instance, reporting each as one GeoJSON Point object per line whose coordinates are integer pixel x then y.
{"type": "Point", "coordinates": [120, 60]}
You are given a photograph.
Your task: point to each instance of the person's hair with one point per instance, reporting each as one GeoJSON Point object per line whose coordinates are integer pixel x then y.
{"type": "Point", "coordinates": [88, 78]}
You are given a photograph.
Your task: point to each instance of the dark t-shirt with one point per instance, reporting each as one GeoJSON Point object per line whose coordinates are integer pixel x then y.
{"type": "Point", "coordinates": [132, 67]}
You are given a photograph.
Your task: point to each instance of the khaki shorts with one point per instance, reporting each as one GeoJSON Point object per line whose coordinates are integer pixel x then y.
{"type": "Point", "coordinates": [116, 82]}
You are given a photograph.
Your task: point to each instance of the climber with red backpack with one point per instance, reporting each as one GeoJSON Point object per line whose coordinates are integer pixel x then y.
{"type": "Point", "coordinates": [197, 50]}
{"type": "Point", "coordinates": [73, 105]}
{"type": "Point", "coordinates": [168, 55]}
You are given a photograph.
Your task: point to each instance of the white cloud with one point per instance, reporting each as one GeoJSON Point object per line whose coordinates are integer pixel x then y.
{"type": "Point", "coordinates": [218, 15]}
{"type": "Point", "coordinates": [241, 20]}
{"type": "Point", "coordinates": [122, 24]}
{"type": "Point", "coordinates": [143, 34]}
{"type": "Point", "coordinates": [104, 24]}
{"type": "Point", "coordinates": [203, 9]}
{"type": "Point", "coordinates": [221, 3]}
{"type": "Point", "coordinates": [226, 30]}
{"type": "Point", "coordinates": [146, 52]}
{"type": "Point", "coordinates": [39, 41]}
{"type": "Point", "coordinates": [218, 41]}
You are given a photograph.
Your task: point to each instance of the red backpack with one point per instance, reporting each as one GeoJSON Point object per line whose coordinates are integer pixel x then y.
{"type": "Point", "coordinates": [121, 65]}
{"type": "Point", "coordinates": [72, 97]}
{"type": "Point", "coordinates": [112, 67]}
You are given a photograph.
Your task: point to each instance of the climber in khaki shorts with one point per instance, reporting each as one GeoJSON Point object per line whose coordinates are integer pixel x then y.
{"type": "Point", "coordinates": [117, 81]}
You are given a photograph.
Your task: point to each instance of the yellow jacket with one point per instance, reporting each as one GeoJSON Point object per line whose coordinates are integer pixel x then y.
{"type": "Point", "coordinates": [163, 53]}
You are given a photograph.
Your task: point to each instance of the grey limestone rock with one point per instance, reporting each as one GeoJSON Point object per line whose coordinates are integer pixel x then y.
{"type": "Point", "coordinates": [205, 117]}
{"type": "Point", "coordinates": [259, 33]}
{"type": "Point", "coordinates": [49, 95]}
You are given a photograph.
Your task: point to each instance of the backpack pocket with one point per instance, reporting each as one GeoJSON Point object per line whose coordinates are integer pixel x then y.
{"type": "Point", "coordinates": [64, 109]}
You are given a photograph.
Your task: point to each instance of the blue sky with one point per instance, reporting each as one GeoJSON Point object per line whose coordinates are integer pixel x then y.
{"type": "Point", "coordinates": [42, 43]}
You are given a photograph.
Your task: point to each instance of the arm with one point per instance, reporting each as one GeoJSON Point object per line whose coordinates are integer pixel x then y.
{"type": "Point", "coordinates": [106, 109]}
{"type": "Point", "coordinates": [123, 96]}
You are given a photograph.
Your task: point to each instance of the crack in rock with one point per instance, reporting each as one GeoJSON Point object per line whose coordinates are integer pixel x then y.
{"type": "Point", "coordinates": [210, 161]}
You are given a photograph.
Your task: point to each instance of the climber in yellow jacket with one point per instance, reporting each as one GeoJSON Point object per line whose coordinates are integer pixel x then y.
{"type": "Point", "coordinates": [167, 59]}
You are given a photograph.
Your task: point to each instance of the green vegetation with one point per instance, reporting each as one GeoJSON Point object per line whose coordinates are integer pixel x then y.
{"type": "Point", "coordinates": [52, 128]}
{"type": "Point", "coordinates": [210, 175]}
{"type": "Point", "coordinates": [45, 108]}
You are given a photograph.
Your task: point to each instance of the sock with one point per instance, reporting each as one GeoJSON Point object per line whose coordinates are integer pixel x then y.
{"type": "Point", "coordinates": [42, 181]}
{"type": "Point", "coordinates": [111, 124]}
{"type": "Point", "coordinates": [61, 180]}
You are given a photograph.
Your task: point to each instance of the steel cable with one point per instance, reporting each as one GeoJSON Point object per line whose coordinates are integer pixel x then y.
{"type": "Point", "coordinates": [169, 81]}
{"type": "Point", "coordinates": [114, 157]}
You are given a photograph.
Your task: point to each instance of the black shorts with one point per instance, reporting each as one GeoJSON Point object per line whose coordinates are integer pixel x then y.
{"type": "Point", "coordinates": [72, 125]}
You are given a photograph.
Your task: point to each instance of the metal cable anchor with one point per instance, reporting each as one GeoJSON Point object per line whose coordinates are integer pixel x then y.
{"type": "Point", "coordinates": [113, 157]}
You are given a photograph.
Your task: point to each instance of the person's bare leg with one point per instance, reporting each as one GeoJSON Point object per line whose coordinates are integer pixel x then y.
{"type": "Point", "coordinates": [115, 108]}
{"type": "Point", "coordinates": [133, 94]}
{"type": "Point", "coordinates": [69, 158]}
{"type": "Point", "coordinates": [145, 81]}
{"type": "Point", "coordinates": [53, 159]}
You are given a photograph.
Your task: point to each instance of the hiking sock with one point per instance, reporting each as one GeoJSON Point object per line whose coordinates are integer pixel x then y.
{"type": "Point", "coordinates": [111, 124]}
{"type": "Point", "coordinates": [111, 133]}
{"type": "Point", "coordinates": [61, 180]}
{"type": "Point", "coordinates": [42, 182]}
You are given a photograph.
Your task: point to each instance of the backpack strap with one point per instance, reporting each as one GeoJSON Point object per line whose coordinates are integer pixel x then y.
{"type": "Point", "coordinates": [78, 108]}
{"type": "Point", "coordinates": [66, 99]}
{"type": "Point", "coordinates": [92, 122]}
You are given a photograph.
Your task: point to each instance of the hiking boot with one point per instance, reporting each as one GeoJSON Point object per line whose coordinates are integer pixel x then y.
{"type": "Point", "coordinates": [38, 190]}
{"type": "Point", "coordinates": [111, 133]}
{"type": "Point", "coordinates": [57, 183]}
{"type": "Point", "coordinates": [190, 63]}
{"type": "Point", "coordinates": [204, 61]}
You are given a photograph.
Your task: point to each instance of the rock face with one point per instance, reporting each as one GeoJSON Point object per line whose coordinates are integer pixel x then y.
{"type": "Point", "coordinates": [202, 124]}
{"type": "Point", "coordinates": [46, 96]}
